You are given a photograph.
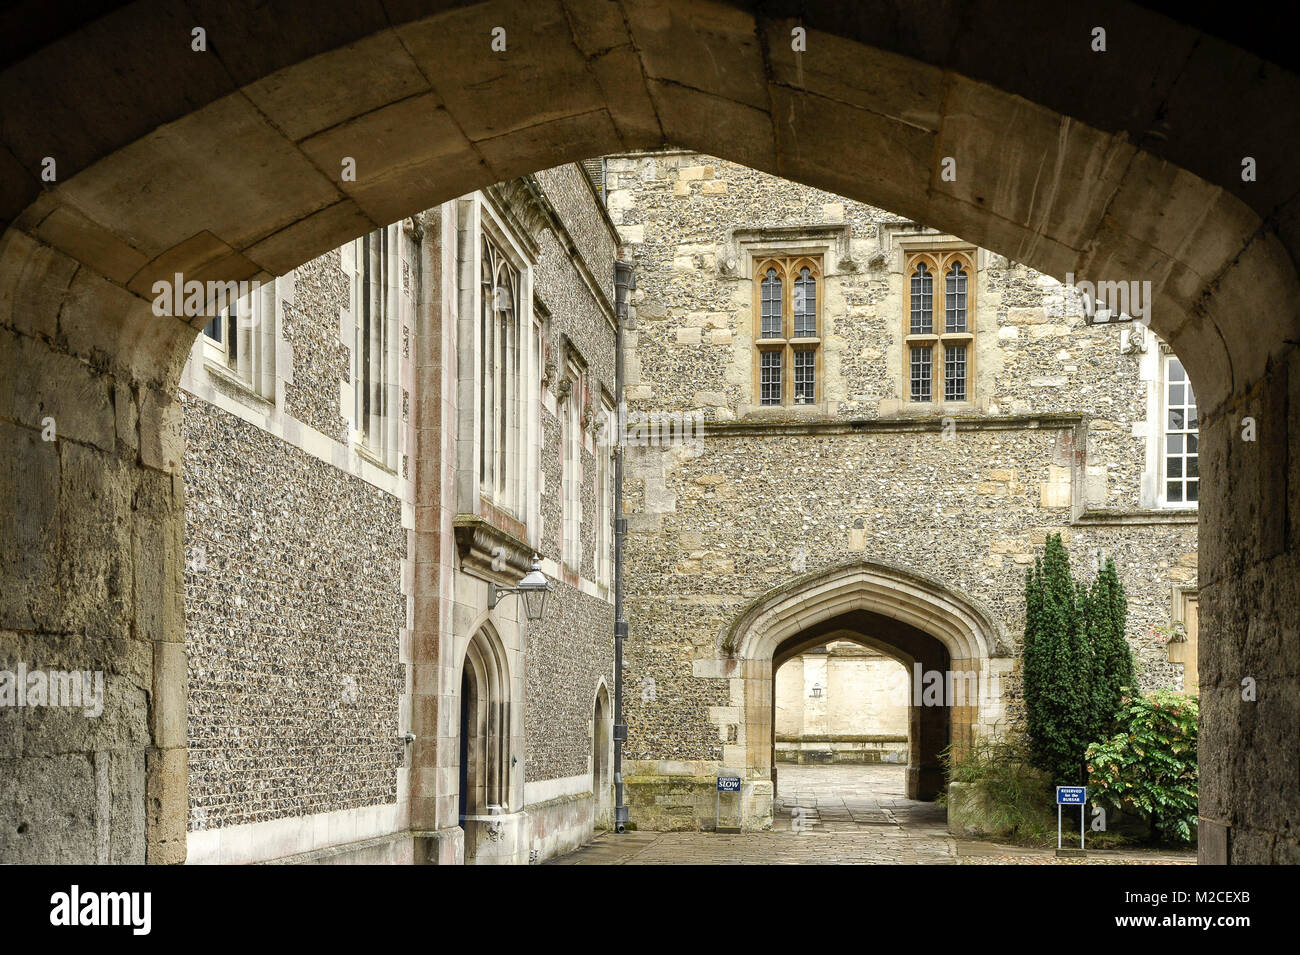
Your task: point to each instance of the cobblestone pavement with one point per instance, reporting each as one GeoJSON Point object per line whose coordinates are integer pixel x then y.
{"type": "Point", "coordinates": [837, 814]}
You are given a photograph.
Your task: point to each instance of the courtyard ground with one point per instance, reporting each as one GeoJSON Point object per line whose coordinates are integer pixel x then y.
{"type": "Point", "coordinates": [841, 815]}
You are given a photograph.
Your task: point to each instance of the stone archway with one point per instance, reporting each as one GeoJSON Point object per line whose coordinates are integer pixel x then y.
{"type": "Point", "coordinates": [483, 744]}
{"type": "Point", "coordinates": [226, 165]}
{"type": "Point", "coordinates": [907, 615]}
{"type": "Point", "coordinates": [930, 727]}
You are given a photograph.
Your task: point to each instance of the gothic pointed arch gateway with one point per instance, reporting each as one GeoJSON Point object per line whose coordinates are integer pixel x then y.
{"type": "Point", "coordinates": [937, 633]}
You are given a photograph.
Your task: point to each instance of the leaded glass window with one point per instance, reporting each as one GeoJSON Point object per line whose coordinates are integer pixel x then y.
{"type": "Point", "coordinates": [921, 374]}
{"type": "Point", "coordinates": [922, 300]}
{"type": "Point", "coordinates": [955, 299]}
{"type": "Point", "coordinates": [947, 346]}
{"type": "Point", "coordinates": [772, 301]}
{"type": "Point", "coordinates": [805, 305]}
{"type": "Point", "coordinates": [805, 380]}
{"type": "Point", "coordinates": [954, 373]}
{"type": "Point", "coordinates": [770, 372]}
{"type": "Point", "coordinates": [787, 313]}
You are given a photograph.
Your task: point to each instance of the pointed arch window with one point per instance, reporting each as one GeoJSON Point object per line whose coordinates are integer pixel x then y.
{"type": "Point", "coordinates": [949, 348]}
{"type": "Point", "coordinates": [500, 392]}
{"type": "Point", "coordinates": [788, 336]}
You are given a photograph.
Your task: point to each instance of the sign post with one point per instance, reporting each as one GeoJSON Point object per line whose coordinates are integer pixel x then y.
{"type": "Point", "coordinates": [1070, 796]}
{"type": "Point", "coordinates": [726, 784]}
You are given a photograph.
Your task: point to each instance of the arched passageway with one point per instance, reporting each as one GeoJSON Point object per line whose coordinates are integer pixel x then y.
{"type": "Point", "coordinates": [930, 720]}
{"type": "Point", "coordinates": [910, 617]}
{"type": "Point", "coordinates": [230, 163]}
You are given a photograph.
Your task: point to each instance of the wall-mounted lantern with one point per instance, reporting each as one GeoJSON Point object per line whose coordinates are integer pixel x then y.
{"type": "Point", "coordinates": [534, 587]}
{"type": "Point", "coordinates": [816, 693]}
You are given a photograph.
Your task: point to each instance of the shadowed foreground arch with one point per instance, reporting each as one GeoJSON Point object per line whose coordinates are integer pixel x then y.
{"type": "Point", "coordinates": [226, 165]}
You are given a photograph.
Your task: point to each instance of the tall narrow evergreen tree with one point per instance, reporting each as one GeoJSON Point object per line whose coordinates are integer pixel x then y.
{"type": "Point", "coordinates": [1112, 658]}
{"type": "Point", "coordinates": [1057, 666]}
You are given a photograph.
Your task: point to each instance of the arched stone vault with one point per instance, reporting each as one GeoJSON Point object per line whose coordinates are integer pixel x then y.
{"type": "Point", "coordinates": [226, 164]}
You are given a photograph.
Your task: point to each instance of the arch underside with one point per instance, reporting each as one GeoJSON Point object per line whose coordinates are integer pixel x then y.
{"type": "Point", "coordinates": [1047, 174]}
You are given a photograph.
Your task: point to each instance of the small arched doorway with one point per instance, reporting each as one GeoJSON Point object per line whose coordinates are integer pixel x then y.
{"type": "Point", "coordinates": [483, 742]}
{"type": "Point", "coordinates": [600, 758]}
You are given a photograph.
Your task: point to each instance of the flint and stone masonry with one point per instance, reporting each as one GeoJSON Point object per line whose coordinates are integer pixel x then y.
{"type": "Point", "coordinates": [818, 516]}
{"type": "Point", "coordinates": [1057, 170]}
{"type": "Point", "coordinates": [306, 598]}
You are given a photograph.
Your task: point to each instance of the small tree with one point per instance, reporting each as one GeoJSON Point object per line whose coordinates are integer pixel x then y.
{"type": "Point", "coordinates": [1149, 767]}
{"type": "Point", "coordinates": [1058, 665]}
{"type": "Point", "coordinates": [1112, 674]}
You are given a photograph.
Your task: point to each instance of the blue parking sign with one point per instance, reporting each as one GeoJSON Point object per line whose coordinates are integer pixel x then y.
{"type": "Point", "coordinates": [1071, 795]}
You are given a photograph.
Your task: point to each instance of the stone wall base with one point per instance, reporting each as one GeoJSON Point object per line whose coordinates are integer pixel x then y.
{"type": "Point", "coordinates": [439, 846]}
{"type": "Point", "coordinates": [679, 803]}
{"type": "Point", "coordinates": [559, 825]}
{"type": "Point", "coordinates": [806, 752]}
{"type": "Point", "coordinates": [395, 849]}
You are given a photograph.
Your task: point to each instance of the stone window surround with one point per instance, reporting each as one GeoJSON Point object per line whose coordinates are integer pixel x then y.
{"type": "Point", "coordinates": [572, 440]}
{"type": "Point", "coordinates": [476, 215]}
{"type": "Point", "coordinates": [506, 390]}
{"type": "Point", "coordinates": [786, 344]}
{"type": "Point", "coordinates": [255, 369]}
{"type": "Point", "coordinates": [384, 452]}
{"type": "Point", "coordinates": [898, 242]}
{"type": "Point", "coordinates": [831, 243]}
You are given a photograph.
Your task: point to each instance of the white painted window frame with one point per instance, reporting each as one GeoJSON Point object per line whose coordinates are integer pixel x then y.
{"type": "Point", "coordinates": [1154, 371]}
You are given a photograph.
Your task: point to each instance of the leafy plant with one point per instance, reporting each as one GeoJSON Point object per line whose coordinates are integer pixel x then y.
{"type": "Point", "coordinates": [1149, 768]}
{"type": "Point", "coordinates": [1017, 797]}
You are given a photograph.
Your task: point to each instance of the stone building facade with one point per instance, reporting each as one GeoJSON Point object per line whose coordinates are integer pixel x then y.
{"type": "Point", "coordinates": [893, 422]}
{"type": "Point", "coordinates": [374, 443]}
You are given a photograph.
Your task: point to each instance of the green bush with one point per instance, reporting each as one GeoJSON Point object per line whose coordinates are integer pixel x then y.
{"type": "Point", "coordinates": [1149, 767]}
{"type": "Point", "coordinates": [1018, 797]}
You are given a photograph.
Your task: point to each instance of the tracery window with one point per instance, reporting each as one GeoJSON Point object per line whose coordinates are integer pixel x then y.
{"type": "Point", "coordinates": [500, 392]}
{"type": "Point", "coordinates": [787, 359]}
{"type": "Point", "coordinates": [927, 347]}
